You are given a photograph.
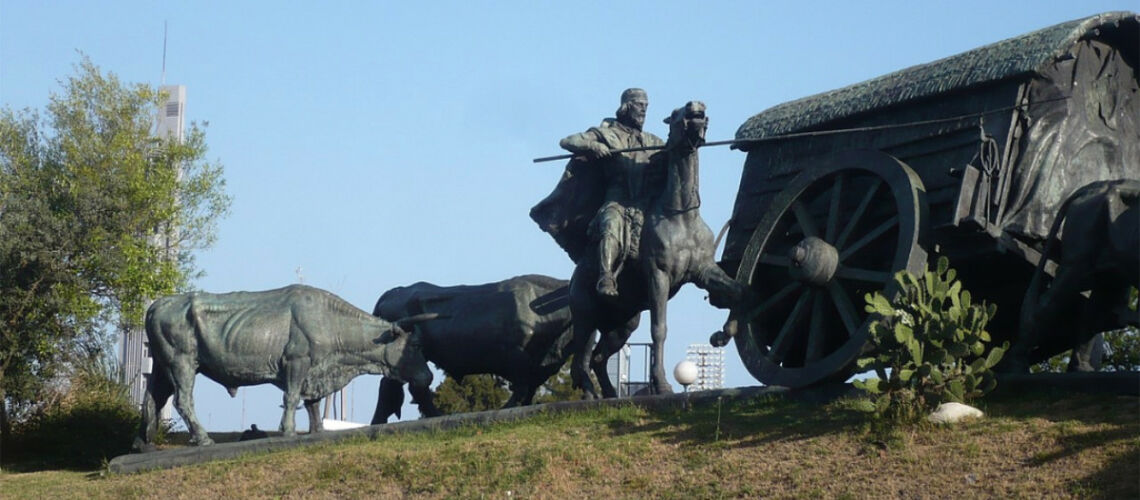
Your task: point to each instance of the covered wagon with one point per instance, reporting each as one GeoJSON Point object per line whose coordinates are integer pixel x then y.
{"type": "Point", "coordinates": [968, 157]}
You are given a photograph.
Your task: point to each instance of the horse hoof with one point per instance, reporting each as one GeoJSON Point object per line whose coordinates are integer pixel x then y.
{"type": "Point", "coordinates": [718, 339]}
{"type": "Point", "coordinates": [204, 441]}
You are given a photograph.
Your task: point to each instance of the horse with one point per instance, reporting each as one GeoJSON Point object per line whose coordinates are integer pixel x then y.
{"type": "Point", "coordinates": [677, 247]}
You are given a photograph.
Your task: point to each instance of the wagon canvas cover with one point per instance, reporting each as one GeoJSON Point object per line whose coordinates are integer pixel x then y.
{"type": "Point", "coordinates": [1079, 121]}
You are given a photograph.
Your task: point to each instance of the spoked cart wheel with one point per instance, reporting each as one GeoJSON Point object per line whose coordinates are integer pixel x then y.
{"type": "Point", "coordinates": [840, 229]}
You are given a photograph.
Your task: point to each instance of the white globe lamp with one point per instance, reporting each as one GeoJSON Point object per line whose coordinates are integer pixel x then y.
{"type": "Point", "coordinates": [685, 373]}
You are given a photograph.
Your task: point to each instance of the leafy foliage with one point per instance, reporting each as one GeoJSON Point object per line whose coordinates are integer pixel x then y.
{"type": "Point", "coordinates": [560, 387]}
{"type": "Point", "coordinates": [929, 345]}
{"type": "Point", "coordinates": [89, 420]}
{"type": "Point", "coordinates": [97, 214]}
{"type": "Point", "coordinates": [471, 393]}
{"type": "Point", "coordinates": [1122, 348]}
{"type": "Point", "coordinates": [1123, 353]}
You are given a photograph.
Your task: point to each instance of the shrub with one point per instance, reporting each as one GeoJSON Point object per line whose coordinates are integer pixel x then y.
{"type": "Point", "coordinates": [928, 345]}
{"type": "Point", "coordinates": [92, 421]}
{"type": "Point", "coordinates": [478, 392]}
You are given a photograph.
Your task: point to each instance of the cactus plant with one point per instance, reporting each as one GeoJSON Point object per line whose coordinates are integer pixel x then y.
{"type": "Point", "coordinates": [929, 345]}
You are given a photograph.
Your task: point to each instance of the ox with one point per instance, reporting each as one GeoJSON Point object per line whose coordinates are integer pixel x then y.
{"type": "Point", "coordinates": [1099, 252]}
{"type": "Point", "coordinates": [518, 329]}
{"type": "Point", "coordinates": [306, 341]}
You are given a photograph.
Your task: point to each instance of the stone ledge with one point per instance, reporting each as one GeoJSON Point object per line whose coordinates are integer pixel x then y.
{"type": "Point", "coordinates": [1123, 383]}
{"type": "Point", "coordinates": [165, 459]}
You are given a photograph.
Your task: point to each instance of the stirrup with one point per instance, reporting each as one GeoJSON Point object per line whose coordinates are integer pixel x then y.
{"type": "Point", "coordinates": [607, 286]}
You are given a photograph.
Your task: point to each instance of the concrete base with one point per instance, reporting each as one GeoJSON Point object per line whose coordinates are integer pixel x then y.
{"type": "Point", "coordinates": [165, 459]}
{"type": "Point", "coordinates": [1124, 383]}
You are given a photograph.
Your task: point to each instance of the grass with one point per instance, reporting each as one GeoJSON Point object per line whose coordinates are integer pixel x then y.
{"type": "Point", "coordinates": [1032, 446]}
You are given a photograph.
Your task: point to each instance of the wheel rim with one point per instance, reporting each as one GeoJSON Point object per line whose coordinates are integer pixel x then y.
{"type": "Point", "coordinates": [840, 229]}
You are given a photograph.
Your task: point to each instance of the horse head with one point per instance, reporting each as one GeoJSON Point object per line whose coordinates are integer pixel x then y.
{"type": "Point", "coordinates": [687, 125]}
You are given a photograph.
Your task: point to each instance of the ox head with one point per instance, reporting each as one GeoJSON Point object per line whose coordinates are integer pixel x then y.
{"type": "Point", "coordinates": [687, 126]}
{"type": "Point", "coordinates": [403, 352]}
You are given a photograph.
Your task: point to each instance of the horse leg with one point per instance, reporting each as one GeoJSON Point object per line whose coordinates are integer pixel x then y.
{"type": "Point", "coordinates": [582, 358]}
{"type": "Point", "coordinates": [658, 300]}
{"type": "Point", "coordinates": [609, 345]}
{"type": "Point", "coordinates": [724, 292]}
{"type": "Point", "coordinates": [613, 342]}
{"type": "Point", "coordinates": [583, 311]}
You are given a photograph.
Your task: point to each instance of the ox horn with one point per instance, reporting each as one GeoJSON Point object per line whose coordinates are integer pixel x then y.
{"type": "Point", "coordinates": [409, 321]}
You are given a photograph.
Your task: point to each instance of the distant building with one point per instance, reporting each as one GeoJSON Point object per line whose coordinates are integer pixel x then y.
{"type": "Point", "coordinates": [710, 366]}
{"type": "Point", "coordinates": [134, 356]}
{"type": "Point", "coordinates": [618, 370]}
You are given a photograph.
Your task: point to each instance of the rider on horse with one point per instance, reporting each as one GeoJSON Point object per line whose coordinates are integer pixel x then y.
{"type": "Point", "coordinates": [617, 223]}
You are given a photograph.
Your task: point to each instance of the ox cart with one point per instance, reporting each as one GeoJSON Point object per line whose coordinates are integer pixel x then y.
{"type": "Point", "coordinates": [967, 157]}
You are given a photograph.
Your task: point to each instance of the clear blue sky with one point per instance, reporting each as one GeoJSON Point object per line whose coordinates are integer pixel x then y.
{"type": "Point", "coordinates": [375, 144]}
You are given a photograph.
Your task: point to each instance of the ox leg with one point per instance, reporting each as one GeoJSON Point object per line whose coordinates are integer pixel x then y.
{"type": "Point", "coordinates": [421, 396]}
{"type": "Point", "coordinates": [1097, 317]}
{"type": "Point", "coordinates": [526, 395]}
{"type": "Point", "coordinates": [182, 375]}
{"type": "Point", "coordinates": [389, 400]}
{"type": "Point", "coordinates": [316, 421]}
{"type": "Point", "coordinates": [158, 391]}
{"type": "Point", "coordinates": [658, 302]}
{"type": "Point", "coordinates": [295, 373]}
{"type": "Point", "coordinates": [1088, 356]}
{"type": "Point", "coordinates": [518, 394]}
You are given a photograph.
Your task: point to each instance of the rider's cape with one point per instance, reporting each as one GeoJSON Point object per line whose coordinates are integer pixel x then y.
{"type": "Point", "coordinates": [567, 212]}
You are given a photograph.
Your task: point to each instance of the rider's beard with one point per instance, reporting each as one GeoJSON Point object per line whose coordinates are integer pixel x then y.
{"type": "Point", "coordinates": [633, 118]}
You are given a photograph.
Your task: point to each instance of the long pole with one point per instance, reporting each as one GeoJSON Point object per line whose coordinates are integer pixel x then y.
{"type": "Point", "coordinates": [629, 150]}
{"type": "Point", "coordinates": [825, 132]}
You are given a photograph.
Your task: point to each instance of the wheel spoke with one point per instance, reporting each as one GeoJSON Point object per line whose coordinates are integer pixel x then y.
{"type": "Point", "coordinates": [858, 214]}
{"type": "Point", "coordinates": [775, 260]}
{"type": "Point", "coordinates": [846, 309]}
{"type": "Point", "coordinates": [816, 332]}
{"type": "Point", "coordinates": [781, 343]}
{"type": "Point", "coordinates": [804, 219]}
{"type": "Point", "coordinates": [869, 237]}
{"type": "Point", "coordinates": [865, 275]}
{"type": "Point", "coordinates": [833, 210]}
{"type": "Point", "coordinates": [771, 301]}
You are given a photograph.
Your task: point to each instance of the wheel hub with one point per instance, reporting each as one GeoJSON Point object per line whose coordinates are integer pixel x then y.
{"type": "Point", "coordinates": [813, 261]}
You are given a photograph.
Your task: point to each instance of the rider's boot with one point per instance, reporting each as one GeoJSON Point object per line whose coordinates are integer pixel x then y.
{"type": "Point", "coordinates": [607, 285]}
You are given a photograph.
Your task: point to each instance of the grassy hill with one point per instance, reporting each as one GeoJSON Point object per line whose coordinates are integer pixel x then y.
{"type": "Point", "coordinates": [1028, 446]}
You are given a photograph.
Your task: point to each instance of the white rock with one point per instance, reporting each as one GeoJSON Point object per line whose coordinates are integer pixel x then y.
{"type": "Point", "coordinates": [948, 413]}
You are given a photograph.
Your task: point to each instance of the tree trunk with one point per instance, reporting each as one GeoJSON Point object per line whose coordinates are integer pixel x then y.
{"type": "Point", "coordinates": [5, 427]}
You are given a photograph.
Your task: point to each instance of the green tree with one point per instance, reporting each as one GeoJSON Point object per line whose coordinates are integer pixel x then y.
{"type": "Point", "coordinates": [471, 393]}
{"type": "Point", "coordinates": [560, 387]}
{"type": "Point", "coordinates": [97, 214]}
